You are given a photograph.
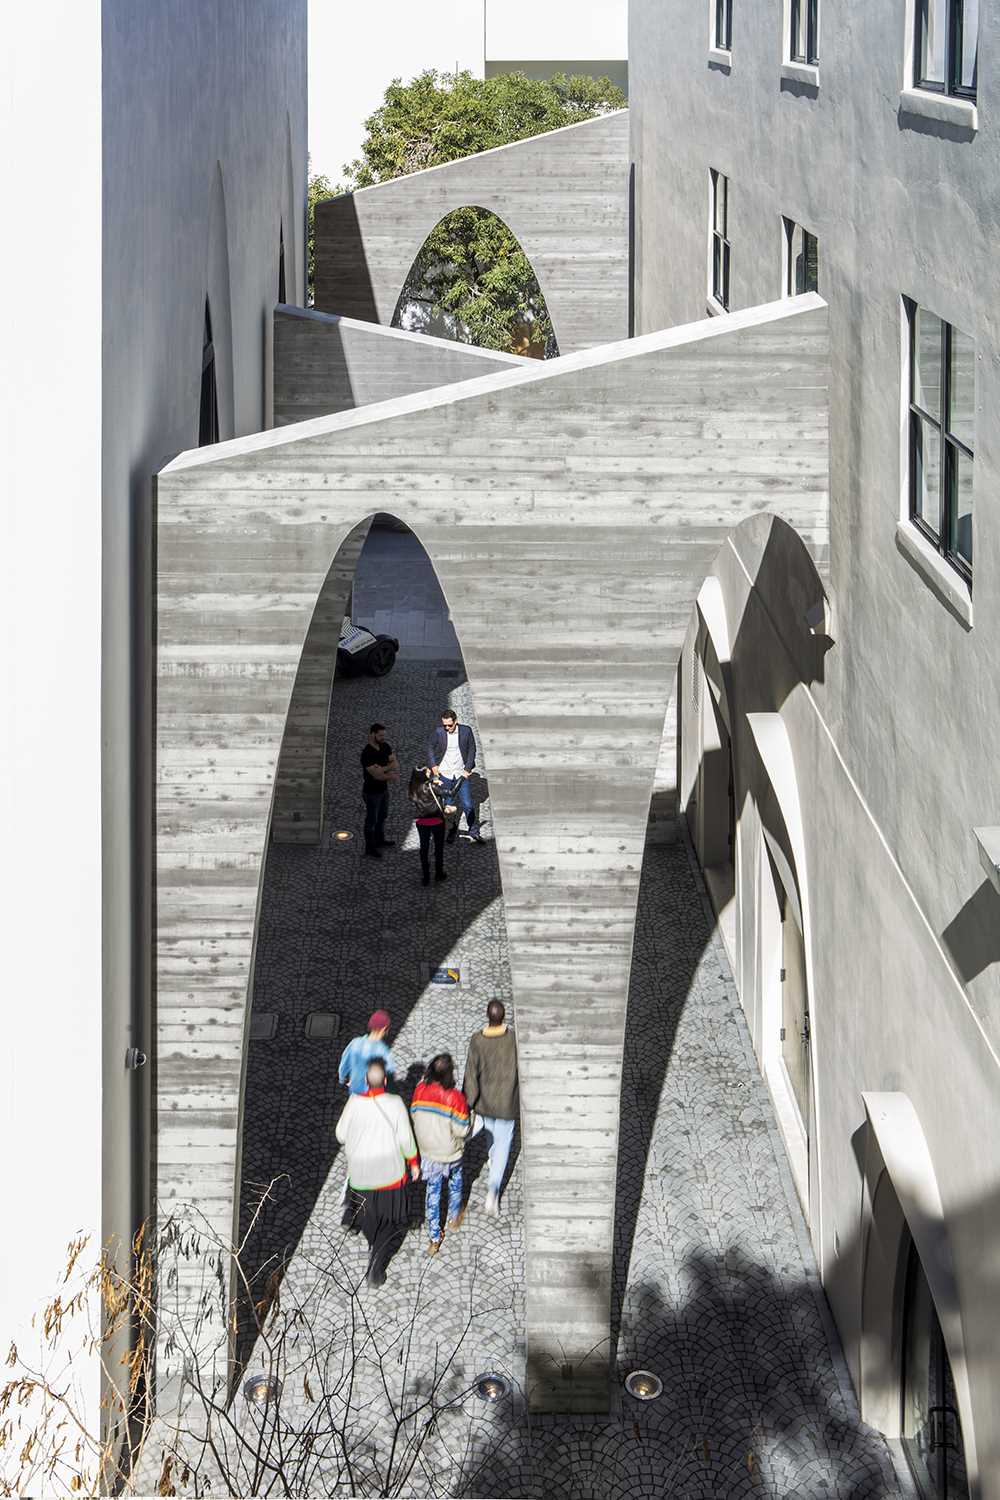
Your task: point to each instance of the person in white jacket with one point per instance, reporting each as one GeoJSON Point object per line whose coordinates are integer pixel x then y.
{"type": "Point", "coordinates": [376, 1134]}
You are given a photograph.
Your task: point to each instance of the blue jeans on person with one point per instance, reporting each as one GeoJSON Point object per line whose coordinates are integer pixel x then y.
{"type": "Point", "coordinates": [376, 807]}
{"type": "Point", "coordinates": [435, 1173]}
{"type": "Point", "coordinates": [502, 1136]}
{"type": "Point", "coordinates": [457, 787]}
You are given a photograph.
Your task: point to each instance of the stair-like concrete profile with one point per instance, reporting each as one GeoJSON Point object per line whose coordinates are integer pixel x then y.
{"type": "Point", "coordinates": [571, 509]}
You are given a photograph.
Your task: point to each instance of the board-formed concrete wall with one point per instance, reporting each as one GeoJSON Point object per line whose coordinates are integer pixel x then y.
{"type": "Point", "coordinates": [323, 363]}
{"type": "Point", "coordinates": [571, 510]}
{"type": "Point", "coordinates": [564, 194]}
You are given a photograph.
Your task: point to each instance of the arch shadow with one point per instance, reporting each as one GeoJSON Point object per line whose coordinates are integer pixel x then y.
{"type": "Point", "coordinates": [531, 334]}
{"type": "Point", "coordinates": [327, 940]}
{"type": "Point", "coordinates": [786, 586]}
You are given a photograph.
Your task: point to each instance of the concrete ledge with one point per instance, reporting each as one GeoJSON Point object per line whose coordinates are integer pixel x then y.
{"type": "Point", "coordinates": [946, 583]}
{"type": "Point", "coordinates": [795, 72]}
{"type": "Point", "coordinates": [942, 107]}
{"type": "Point", "coordinates": [721, 57]}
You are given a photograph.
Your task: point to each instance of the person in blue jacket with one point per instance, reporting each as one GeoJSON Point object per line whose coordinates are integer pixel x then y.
{"type": "Point", "coordinates": [359, 1053]}
{"type": "Point", "coordinates": [451, 756]}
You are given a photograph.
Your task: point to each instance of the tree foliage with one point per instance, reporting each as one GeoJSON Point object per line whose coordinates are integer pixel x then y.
{"type": "Point", "coordinates": [471, 276]}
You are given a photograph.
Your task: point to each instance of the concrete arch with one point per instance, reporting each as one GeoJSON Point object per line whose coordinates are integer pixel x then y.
{"type": "Point", "coordinates": [564, 195]}
{"type": "Point", "coordinates": [571, 555]}
{"type": "Point", "coordinates": [398, 310]}
{"type": "Point", "coordinates": [902, 1201]}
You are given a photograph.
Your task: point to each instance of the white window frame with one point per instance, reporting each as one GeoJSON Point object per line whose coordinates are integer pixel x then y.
{"type": "Point", "coordinates": [798, 72]}
{"type": "Point", "coordinates": [943, 579]}
{"type": "Point", "coordinates": [788, 228]}
{"type": "Point", "coordinates": [948, 109]}
{"type": "Point", "coordinates": [714, 306]}
{"type": "Point", "coordinates": [717, 53]}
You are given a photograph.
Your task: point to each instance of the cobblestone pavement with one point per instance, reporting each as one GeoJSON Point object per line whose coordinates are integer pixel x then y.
{"type": "Point", "coordinates": [715, 1286]}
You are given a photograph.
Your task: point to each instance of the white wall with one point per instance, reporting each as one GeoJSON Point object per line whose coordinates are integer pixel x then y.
{"type": "Point", "coordinates": [50, 607]}
{"type": "Point", "coordinates": [354, 52]}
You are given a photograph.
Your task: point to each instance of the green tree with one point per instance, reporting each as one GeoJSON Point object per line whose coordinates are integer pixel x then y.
{"type": "Point", "coordinates": [317, 187]}
{"type": "Point", "coordinates": [471, 273]}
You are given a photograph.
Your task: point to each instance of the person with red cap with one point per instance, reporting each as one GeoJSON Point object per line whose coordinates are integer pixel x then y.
{"type": "Point", "coordinates": [358, 1053]}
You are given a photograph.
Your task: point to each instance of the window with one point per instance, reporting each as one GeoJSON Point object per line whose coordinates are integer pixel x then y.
{"type": "Point", "coordinates": [801, 260]}
{"type": "Point", "coordinates": [803, 40]}
{"type": "Point", "coordinates": [930, 1426]}
{"type": "Point", "coordinates": [208, 419]}
{"type": "Point", "coordinates": [946, 46]}
{"type": "Point", "coordinates": [722, 31]}
{"type": "Point", "coordinates": [281, 264]}
{"type": "Point", "coordinates": [942, 435]}
{"type": "Point", "coordinates": [720, 240]}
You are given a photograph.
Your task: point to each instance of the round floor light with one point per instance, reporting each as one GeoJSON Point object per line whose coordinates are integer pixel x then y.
{"type": "Point", "coordinates": [262, 1390]}
{"type": "Point", "coordinates": [491, 1387]}
{"type": "Point", "coordinates": [343, 836]}
{"type": "Point", "coordinates": [644, 1385]}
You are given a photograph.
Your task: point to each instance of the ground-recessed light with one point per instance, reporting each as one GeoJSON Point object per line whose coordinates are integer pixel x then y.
{"type": "Point", "coordinates": [644, 1385]}
{"type": "Point", "coordinates": [262, 1390]}
{"type": "Point", "coordinates": [491, 1387]}
{"type": "Point", "coordinates": [342, 836]}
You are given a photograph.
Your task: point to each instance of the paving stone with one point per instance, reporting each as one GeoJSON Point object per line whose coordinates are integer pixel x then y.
{"type": "Point", "coordinates": [713, 1289]}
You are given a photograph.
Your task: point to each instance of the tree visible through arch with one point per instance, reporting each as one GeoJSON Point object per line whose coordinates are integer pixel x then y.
{"type": "Point", "coordinates": [472, 281]}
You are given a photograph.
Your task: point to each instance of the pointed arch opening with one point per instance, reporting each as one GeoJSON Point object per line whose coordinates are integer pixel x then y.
{"type": "Point", "coordinates": [340, 934]}
{"type": "Point", "coordinates": [472, 281]}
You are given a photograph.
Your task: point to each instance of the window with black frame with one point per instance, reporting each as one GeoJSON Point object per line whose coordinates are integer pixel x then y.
{"type": "Point", "coordinates": [930, 1424]}
{"type": "Point", "coordinates": [720, 238]}
{"type": "Point", "coordinates": [723, 25]}
{"type": "Point", "coordinates": [946, 47]}
{"type": "Point", "coordinates": [803, 41]}
{"type": "Point", "coordinates": [208, 417]}
{"type": "Point", "coordinates": [801, 260]}
{"type": "Point", "coordinates": [942, 435]}
{"type": "Point", "coordinates": [282, 297]}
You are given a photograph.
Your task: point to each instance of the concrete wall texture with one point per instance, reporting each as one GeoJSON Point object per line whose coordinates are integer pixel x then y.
{"type": "Point", "coordinates": [324, 364]}
{"type": "Point", "coordinates": [196, 188]}
{"type": "Point", "coordinates": [563, 194]}
{"type": "Point", "coordinates": [629, 467]}
{"type": "Point", "coordinates": [894, 740]}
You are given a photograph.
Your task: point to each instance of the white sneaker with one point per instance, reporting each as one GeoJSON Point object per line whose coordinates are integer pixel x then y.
{"type": "Point", "coordinates": [492, 1205]}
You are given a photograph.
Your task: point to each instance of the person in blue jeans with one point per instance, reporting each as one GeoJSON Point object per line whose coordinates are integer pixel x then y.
{"type": "Point", "coordinates": [451, 756]}
{"type": "Point", "coordinates": [358, 1053]}
{"type": "Point", "coordinates": [441, 1124]}
{"type": "Point", "coordinates": [490, 1086]}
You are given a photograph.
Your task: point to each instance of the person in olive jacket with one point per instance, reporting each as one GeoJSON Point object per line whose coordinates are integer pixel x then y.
{"type": "Point", "coordinates": [490, 1086]}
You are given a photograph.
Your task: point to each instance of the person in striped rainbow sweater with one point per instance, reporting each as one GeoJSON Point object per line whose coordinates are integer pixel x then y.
{"type": "Point", "coordinates": [441, 1124]}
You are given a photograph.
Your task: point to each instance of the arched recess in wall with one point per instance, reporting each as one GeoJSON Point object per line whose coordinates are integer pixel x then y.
{"type": "Point", "coordinates": [487, 257]}
{"type": "Point", "coordinates": [741, 768]}
{"type": "Point", "coordinates": [332, 968]}
{"type": "Point", "coordinates": [291, 225]}
{"type": "Point", "coordinates": [218, 294]}
{"type": "Point", "coordinates": [908, 1273]}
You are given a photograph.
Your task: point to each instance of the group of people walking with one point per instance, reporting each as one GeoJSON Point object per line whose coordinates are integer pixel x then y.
{"type": "Point", "coordinates": [439, 792]}
{"type": "Point", "coordinates": [388, 1146]}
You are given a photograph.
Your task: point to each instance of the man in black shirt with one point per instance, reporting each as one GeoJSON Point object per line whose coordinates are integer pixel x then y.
{"type": "Point", "coordinates": [379, 766]}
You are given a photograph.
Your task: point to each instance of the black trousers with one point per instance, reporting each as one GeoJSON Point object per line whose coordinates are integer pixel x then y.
{"type": "Point", "coordinates": [426, 832]}
{"type": "Point", "coordinates": [376, 807]}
